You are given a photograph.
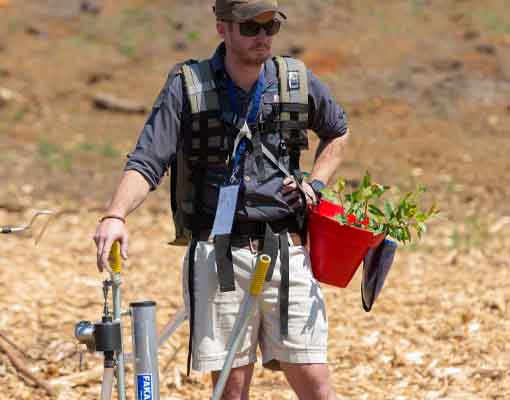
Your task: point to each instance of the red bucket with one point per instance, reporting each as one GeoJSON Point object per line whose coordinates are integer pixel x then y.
{"type": "Point", "coordinates": [337, 250]}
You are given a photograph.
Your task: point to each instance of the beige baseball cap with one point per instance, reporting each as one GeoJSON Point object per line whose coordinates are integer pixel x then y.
{"type": "Point", "coordinates": [244, 10]}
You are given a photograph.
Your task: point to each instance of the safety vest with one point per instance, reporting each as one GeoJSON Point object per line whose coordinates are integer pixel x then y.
{"type": "Point", "coordinates": [208, 142]}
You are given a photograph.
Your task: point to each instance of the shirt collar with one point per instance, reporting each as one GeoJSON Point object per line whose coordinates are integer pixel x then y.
{"type": "Point", "coordinates": [220, 73]}
{"type": "Point", "coordinates": [218, 62]}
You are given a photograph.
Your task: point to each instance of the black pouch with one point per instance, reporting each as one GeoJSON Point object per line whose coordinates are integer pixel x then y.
{"type": "Point", "coordinates": [376, 265]}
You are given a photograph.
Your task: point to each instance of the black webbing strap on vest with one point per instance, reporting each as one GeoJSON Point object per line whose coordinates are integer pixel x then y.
{"type": "Point", "coordinates": [271, 246]}
{"type": "Point", "coordinates": [195, 237]}
{"type": "Point", "coordinates": [223, 255]}
{"type": "Point", "coordinates": [284, 284]}
{"type": "Point", "coordinates": [256, 142]}
{"type": "Point", "coordinates": [294, 156]}
{"type": "Point", "coordinates": [173, 185]}
{"type": "Point", "coordinates": [191, 290]}
{"type": "Point", "coordinates": [274, 242]}
{"type": "Point", "coordinates": [196, 223]}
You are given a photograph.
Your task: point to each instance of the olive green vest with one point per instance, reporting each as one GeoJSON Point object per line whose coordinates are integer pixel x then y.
{"type": "Point", "coordinates": [209, 140]}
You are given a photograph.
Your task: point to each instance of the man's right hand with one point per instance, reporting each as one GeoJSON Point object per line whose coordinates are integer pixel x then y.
{"type": "Point", "coordinates": [107, 232]}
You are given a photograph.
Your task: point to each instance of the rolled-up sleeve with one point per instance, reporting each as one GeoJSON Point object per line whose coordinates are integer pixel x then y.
{"type": "Point", "coordinates": [326, 117]}
{"type": "Point", "coordinates": [158, 140]}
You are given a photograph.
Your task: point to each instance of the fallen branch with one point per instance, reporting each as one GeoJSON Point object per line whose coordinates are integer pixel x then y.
{"type": "Point", "coordinates": [12, 344]}
{"type": "Point", "coordinates": [11, 208]}
{"type": "Point", "coordinates": [111, 103]}
{"type": "Point", "coordinates": [78, 379]}
{"type": "Point", "coordinates": [18, 363]}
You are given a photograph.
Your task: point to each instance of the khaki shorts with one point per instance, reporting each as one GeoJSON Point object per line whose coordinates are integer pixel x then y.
{"type": "Point", "coordinates": [216, 312]}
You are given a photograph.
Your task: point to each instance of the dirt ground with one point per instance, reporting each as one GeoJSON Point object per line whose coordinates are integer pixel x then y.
{"type": "Point", "coordinates": [426, 85]}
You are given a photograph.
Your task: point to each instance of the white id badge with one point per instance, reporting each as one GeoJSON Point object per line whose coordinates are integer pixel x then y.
{"type": "Point", "coordinates": [227, 202]}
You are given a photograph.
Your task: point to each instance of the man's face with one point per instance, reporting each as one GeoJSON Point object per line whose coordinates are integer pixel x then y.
{"type": "Point", "coordinates": [248, 50]}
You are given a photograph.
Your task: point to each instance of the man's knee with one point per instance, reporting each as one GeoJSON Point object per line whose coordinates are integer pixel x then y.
{"type": "Point", "coordinates": [235, 387]}
{"type": "Point", "coordinates": [322, 391]}
{"type": "Point", "coordinates": [233, 392]}
{"type": "Point", "coordinates": [238, 383]}
{"type": "Point", "coordinates": [310, 381]}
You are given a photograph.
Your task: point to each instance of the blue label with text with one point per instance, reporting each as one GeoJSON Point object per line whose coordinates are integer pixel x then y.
{"type": "Point", "coordinates": [144, 385]}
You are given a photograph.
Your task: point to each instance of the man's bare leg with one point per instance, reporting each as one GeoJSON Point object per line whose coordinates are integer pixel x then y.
{"type": "Point", "coordinates": [309, 381]}
{"type": "Point", "coordinates": [238, 383]}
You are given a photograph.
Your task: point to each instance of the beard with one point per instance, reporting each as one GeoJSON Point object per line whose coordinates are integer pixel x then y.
{"type": "Point", "coordinates": [254, 55]}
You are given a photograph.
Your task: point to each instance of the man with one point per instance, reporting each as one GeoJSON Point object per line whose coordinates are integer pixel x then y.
{"type": "Point", "coordinates": [241, 196]}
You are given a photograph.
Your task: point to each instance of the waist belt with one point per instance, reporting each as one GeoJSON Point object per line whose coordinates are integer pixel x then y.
{"type": "Point", "coordinates": [253, 243]}
{"type": "Point", "coordinates": [254, 228]}
{"type": "Point", "coordinates": [257, 244]}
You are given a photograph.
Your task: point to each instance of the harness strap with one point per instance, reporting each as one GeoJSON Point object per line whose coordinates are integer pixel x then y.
{"type": "Point", "coordinates": [284, 88]}
{"type": "Point", "coordinates": [282, 168]}
{"type": "Point", "coordinates": [274, 242]}
{"type": "Point", "coordinates": [191, 290]}
{"type": "Point", "coordinates": [256, 143]}
{"type": "Point", "coordinates": [201, 87]}
{"type": "Point", "coordinates": [301, 217]}
{"type": "Point", "coordinates": [284, 284]}
{"type": "Point", "coordinates": [293, 89]}
{"type": "Point", "coordinates": [223, 255]}
{"type": "Point", "coordinates": [293, 118]}
{"type": "Point", "coordinates": [206, 126]}
{"type": "Point", "coordinates": [271, 246]}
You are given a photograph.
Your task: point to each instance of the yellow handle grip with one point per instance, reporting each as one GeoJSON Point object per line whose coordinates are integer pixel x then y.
{"type": "Point", "coordinates": [115, 259]}
{"type": "Point", "coordinates": [260, 274]}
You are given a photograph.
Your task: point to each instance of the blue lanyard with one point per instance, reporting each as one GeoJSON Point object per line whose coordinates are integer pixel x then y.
{"type": "Point", "coordinates": [252, 116]}
{"type": "Point", "coordinates": [255, 98]}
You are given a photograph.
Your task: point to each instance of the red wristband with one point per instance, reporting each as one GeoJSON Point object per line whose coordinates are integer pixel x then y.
{"type": "Point", "coordinates": [112, 216]}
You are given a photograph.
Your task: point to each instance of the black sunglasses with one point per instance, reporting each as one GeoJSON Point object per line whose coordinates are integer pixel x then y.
{"type": "Point", "coordinates": [252, 28]}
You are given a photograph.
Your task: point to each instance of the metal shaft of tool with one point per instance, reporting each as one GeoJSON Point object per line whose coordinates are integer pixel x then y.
{"type": "Point", "coordinates": [172, 326]}
{"type": "Point", "coordinates": [121, 386]}
{"type": "Point", "coordinates": [115, 261]}
{"type": "Point", "coordinates": [145, 350]}
{"type": "Point", "coordinates": [241, 324]}
{"type": "Point", "coordinates": [107, 384]}
{"type": "Point", "coordinates": [235, 341]}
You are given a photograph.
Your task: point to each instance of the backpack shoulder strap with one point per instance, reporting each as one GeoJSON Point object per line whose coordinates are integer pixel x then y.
{"type": "Point", "coordinates": [200, 86]}
{"type": "Point", "coordinates": [293, 83]}
{"type": "Point", "coordinates": [293, 104]}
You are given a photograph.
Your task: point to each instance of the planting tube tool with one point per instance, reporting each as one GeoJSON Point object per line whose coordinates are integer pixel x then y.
{"type": "Point", "coordinates": [241, 325]}
{"type": "Point", "coordinates": [106, 337]}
